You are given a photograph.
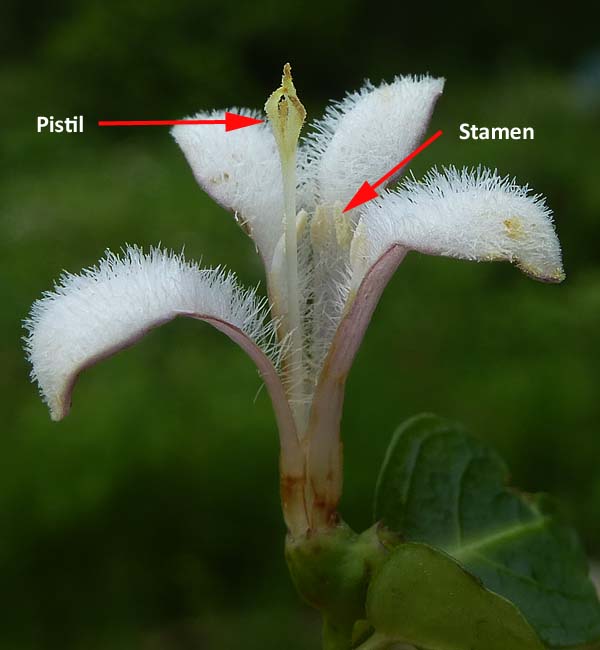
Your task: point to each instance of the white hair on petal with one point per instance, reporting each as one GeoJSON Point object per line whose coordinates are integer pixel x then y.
{"type": "Point", "coordinates": [367, 133]}
{"type": "Point", "coordinates": [88, 316]}
{"type": "Point", "coordinates": [467, 214]}
{"type": "Point", "coordinates": [241, 170]}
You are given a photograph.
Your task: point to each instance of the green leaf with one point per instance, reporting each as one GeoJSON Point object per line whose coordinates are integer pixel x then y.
{"type": "Point", "coordinates": [422, 597]}
{"type": "Point", "coordinates": [440, 486]}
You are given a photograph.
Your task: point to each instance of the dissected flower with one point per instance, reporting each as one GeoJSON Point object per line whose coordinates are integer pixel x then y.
{"type": "Point", "coordinates": [325, 269]}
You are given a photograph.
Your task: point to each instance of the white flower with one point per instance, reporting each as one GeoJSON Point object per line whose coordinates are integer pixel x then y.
{"type": "Point", "coordinates": [325, 269]}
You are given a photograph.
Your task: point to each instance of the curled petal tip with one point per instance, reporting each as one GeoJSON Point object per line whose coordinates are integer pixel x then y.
{"type": "Point", "coordinates": [473, 215]}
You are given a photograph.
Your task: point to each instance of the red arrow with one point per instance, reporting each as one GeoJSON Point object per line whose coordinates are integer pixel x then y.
{"type": "Point", "coordinates": [366, 192]}
{"type": "Point", "coordinates": [232, 122]}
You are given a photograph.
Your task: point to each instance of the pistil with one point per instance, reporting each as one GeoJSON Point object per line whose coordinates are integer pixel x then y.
{"type": "Point", "coordinates": [287, 114]}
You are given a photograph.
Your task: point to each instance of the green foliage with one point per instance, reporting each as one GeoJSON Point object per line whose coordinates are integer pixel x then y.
{"type": "Point", "coordinates": [421, 596]}
{"type": "Point", "coordinates": [444, 488]}
{"type": "Point", "coordinates": [457, 559]}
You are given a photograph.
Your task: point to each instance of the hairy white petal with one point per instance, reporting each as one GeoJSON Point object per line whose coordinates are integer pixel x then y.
{"type": "Point", "coordinates": [241, 170]}
{"type": "Point", "coordinates": [90, 316]}
{"type": "Point", "coordinates": [370, 131]}
{"type": "Point", "coordinates": [473, 215]}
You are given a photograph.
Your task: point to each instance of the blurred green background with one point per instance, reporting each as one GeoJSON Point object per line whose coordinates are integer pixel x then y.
{"type": "Point", "coordinates": [150, 518]}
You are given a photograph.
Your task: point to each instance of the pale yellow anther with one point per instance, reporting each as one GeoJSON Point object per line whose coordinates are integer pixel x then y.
{"type": "Point", "coordinates": [319, 227]}
{"type": "Point", "coordinates": [358, 254]}
{"type": "Point", "coordinates": [301, 223]}
{"type": "Point", "coordinates": [344, 231]}
{"type": "Point", "coordinates": [330, 226]}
